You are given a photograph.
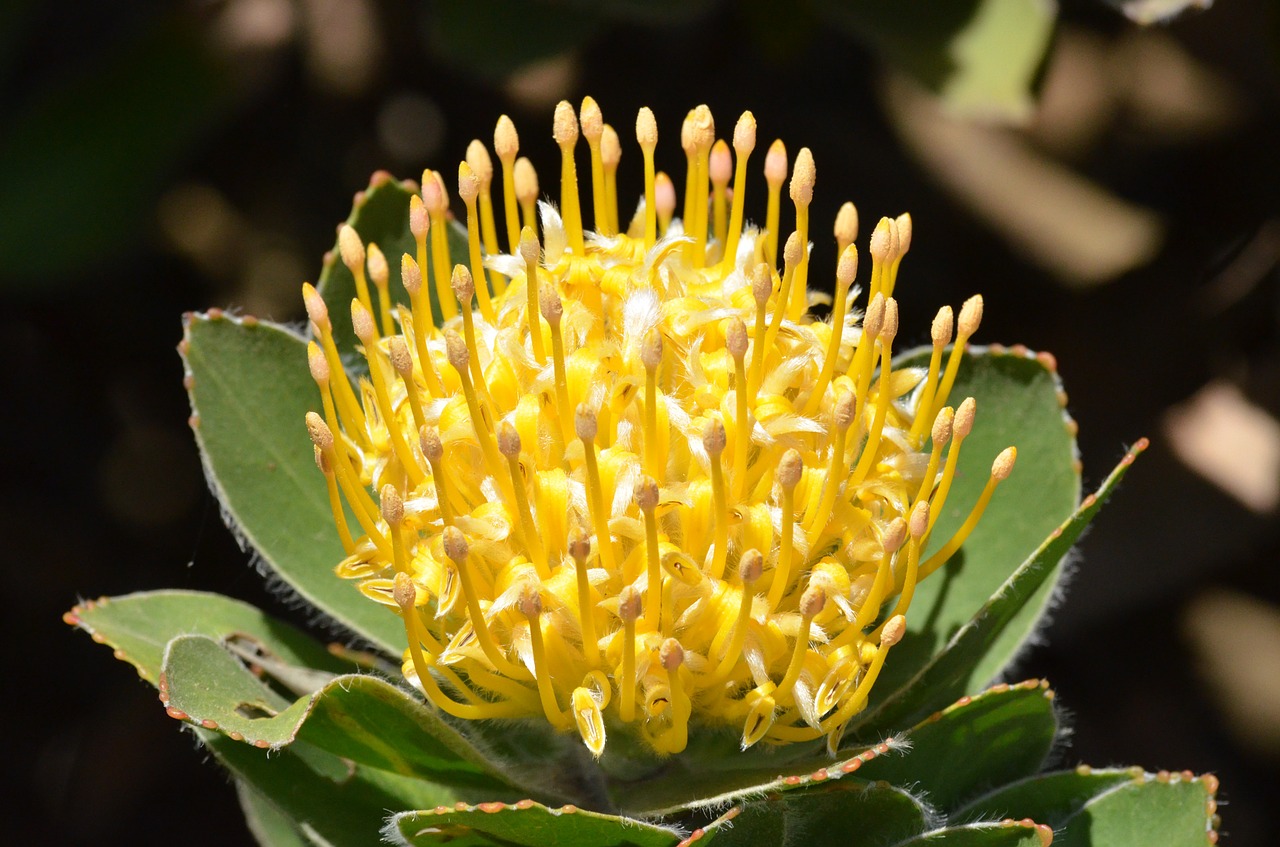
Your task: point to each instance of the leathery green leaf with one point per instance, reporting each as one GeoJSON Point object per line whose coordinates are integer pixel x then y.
{"type": "Point", "coordinates": [139, 626]}
{"type": "Point", "coordinates": [250, 391]}
{"type": "Point", "coordinates": [1111, 807]}
{"type": "Point", "coordinates": [1005, 833]}
{"type": "Point", "coordinates": [977, 743]}
{"type": "Point", "coordinates": [331, 800]}
{"type": "Point", "coordinates": [359, 718]}
{"type": "Point", "coordinates": [848, 812]}
{"type": "Point", "coordinates": [524, 823]}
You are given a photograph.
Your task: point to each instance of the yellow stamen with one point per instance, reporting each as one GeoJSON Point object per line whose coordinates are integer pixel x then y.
{"type": "Point", "coordinates": [405, 597]}
{"type": "Point", "coordinates": [585, 426]}
{"type": "Point", "coordinates": [750, 568]}
{"type": "Point", "coordinates": [469, 190]}
{"type": "Point", "coordinates": [531, 252]}
{"type": "Point", "coordinates": [941, 337]}
{"type": "Point", "coordinates": [391, 506]}
{"type": "Point", "coordinates": [871, 450]}
{"type": "Point", "coordinates": [459, 357]}
{"type": "Point", "coordinates": [811, 603]}
{"type": "Point", "coordinates": [580, 549]}
{"type": "Point", "coordinates": [362, 322]}
{"type": "Point", "coordinates": [509, 446]}
{"type": "Point", "coordinates": [671, 657]}
{"type": "Point", "coordinates": [589, 718]}
{"type": "Point", "coordinates": [855, 702]}
{"type": "Point", "coordinates": [960, 429]}
{"type": "Point", "coordinates": [689, 144]}
{"type": "Point", "coordinates": [381, 276]}
{"type": "Point", "coordinates": [552, 312]}
{"type": "Point", "coordinates": [843, 416]}
{"type": "Point", "coordinates": [457, 549]}
{"type": "Point", "coordinates": [744, 141]}
{"type": "Point", "coordinates": [611, 157]}
{"type": "Point", "coordinates": [592, 123]}
{"type": "Point", "coordinates": [792, 255]}
{"type": "Point", "coordinates": [917, 528]}
{"type": "Point", "coordinates": [647, 135]}
{"type": "Point", "coordinates": [416, 325]}
{"type": "Point", "coordinates": [335, 501]}
{"type": "Point", "coordinates": [464, 288]}
{"type": "Point", "coordinates": [789, 471]}
{"type": "Point", "coordinates": [565, 133]}
{"type": "Point", "coordinates": [628, 610]}
{"type": "Point", "coordinates": [881, 249]}
{"type": "Point", "coordinates": [531, 608]}
{"type": "Point", "coordinates": [703, 135]}
{"type": "Point", "coordinates": [482, 167]}
{"type": "Point", "coordinates": [941, 435]}
{"type": "Point", "coordinates": [761, 290]}
{"type": "Point", "coordinates": [436, 199]}
{"type": "Point", "coordinates": [506, 143]}
{"type": "Point", "coordinates": [966, 326]}
{"type": "Point", "coordinates": [353, 420]}
{"type": "Point", "coordinates": [433, 450]}
{"type": "Point", "coordinates": [352, 251]}
{"type": "Point", "coordinates": [846, 270]}
{"type": "Point", "coordinates": [720, 169]}
{"type": "Point", "coordinates": [803, 178]}
{"type": "Point", "coordinates": [864, 358]}
{"type": "Point", "coordinates": [1000, 471]}
{"type": "Point", "coordinates": [902, 231]}
{"type": "Point", "coordinates": [361, 502]}
{"type": "Point", "coordinates": [846, 227]}
{"type": "Point", "coordinates": [402, 364]}
{"type": "Point", "coordinates": [735, 340]}
{"type": "Point", "coordinates": [775, 174]}
{"type": "Point", "coordinates": [420, 229]}
{"type": "Point", "coordinates": [526, 179]}
{"type": "Point", "coordinates": [651, 358]}
{"type": "Point", "coordinates": [713, 441]}
{"type": "Point", "coordinates": [646, 496]}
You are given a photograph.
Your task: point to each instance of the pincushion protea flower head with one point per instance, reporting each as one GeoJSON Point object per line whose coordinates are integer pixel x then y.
{"type": "Point", "coordinates": [631, 485]}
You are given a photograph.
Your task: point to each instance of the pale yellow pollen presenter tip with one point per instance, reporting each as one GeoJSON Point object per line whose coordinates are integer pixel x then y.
{"type": "Point", "coordinates": [611, 490]}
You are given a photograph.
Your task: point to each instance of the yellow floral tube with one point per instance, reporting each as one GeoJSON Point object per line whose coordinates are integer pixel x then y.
{"type": "Point", "coordinates": [632, 491]}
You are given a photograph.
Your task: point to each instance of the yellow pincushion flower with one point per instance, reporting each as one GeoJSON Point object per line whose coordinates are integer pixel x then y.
{"type": "Point", "coordinates": [631, 485]}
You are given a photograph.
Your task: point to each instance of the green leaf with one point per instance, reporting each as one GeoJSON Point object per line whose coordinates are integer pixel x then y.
{"type": "Point", "coordinates": [1110, 808]}
{"type": "Point", "coordinates": [250, 390]}
{"type": "Point", "coordinates": [981, 57]}
{"type": "Point", "coordinates": [1006, 833]}
{"type": "Point", "coordinates": [969, 619]}
{"type": "Point", "coordinates": [331, 800]}
{"type": "Point", "coordinates": [524, 823]}
{"type": "Point", "coordinates": [138, 626]}
{"type": "Point", "coordinates": [678, 790]}
{"type": "Point", "coordinates": [359, 718]}
{"type": "Point", "coordinates": [972, 652]}
{"type": "Point", "coordinates": [381, 215]}
{"type": "Point", "coordinates": [270, 826]}
{"type": "Point", "coordinates": [975, 744]}
{"type": "Point", "coordinates": [849, 812]}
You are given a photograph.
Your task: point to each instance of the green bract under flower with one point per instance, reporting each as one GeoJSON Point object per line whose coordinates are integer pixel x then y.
{"type": "Point", "coordinates": [631, 485]}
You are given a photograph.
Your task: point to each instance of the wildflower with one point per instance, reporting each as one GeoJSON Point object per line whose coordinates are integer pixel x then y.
{"type": "Point", "coordinates": [630, 485]}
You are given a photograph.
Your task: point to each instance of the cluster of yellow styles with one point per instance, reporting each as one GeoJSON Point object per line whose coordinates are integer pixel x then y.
{"type": "Point", "coordinates": [630, 483]}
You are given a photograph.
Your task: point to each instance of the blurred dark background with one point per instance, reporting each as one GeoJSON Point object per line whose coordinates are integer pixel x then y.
{"type": "Point", "coordinates": [1115, 195]}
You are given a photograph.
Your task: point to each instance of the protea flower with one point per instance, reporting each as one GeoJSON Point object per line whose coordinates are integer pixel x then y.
{"type": "Point", "coordinates": [633, 483]}
{"type": "Point", "coordinates": [618, 484]}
